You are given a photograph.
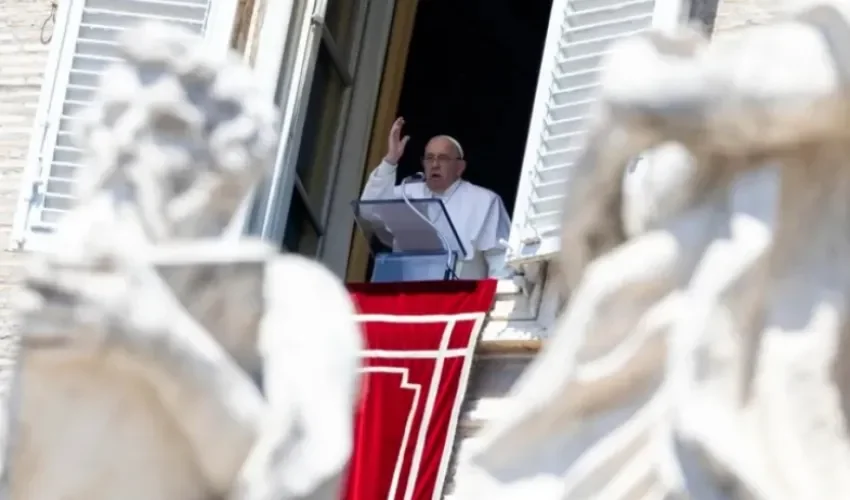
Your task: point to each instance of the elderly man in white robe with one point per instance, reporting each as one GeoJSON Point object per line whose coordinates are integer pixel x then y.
{"type": "Point", "coordinates": [478, 214]}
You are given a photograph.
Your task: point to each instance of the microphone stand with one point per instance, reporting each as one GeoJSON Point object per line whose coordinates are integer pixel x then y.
{"type": "Point", "coordinates": [420, 177]}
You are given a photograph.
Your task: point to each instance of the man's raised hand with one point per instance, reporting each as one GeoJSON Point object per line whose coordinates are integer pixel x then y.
{"type": "Point", "coordinates": [396, 143]}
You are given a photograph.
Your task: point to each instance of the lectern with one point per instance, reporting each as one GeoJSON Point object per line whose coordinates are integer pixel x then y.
{"type": "Point", "coordinates": [405, 241]}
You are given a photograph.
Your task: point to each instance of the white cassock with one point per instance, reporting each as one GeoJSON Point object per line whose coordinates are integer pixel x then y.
{"type": "Point", "coordinates": [478, 215]}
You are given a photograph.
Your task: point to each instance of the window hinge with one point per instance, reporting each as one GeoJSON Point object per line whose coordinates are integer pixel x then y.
{"type": "Point", "coordinates": [530, 236]}
{"type": "Point", "coordinates": [528, 277]}
{"type": "Point", "coordinates": [19, 242]}
{"type": "Point", "coordinates": [35, 192]}
{"type": "Point", "coordinates": [318, 15]}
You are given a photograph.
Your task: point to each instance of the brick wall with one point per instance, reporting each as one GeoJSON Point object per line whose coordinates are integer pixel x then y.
{"type": "Point", "coordinates": [22, 60]}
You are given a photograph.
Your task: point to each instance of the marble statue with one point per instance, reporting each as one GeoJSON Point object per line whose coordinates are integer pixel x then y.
{"type": "Point", "coordinates": [159, 360]}
{"type": "Point", "coordinates": [702, 352]}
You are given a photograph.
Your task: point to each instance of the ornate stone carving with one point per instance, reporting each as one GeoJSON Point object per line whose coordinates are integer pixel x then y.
{"type": "Point", "coordinates": [144, 332]}
{"type": "Point", "coordinates": [703, 353]}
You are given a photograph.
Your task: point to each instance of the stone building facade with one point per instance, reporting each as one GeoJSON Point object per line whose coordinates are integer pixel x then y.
{"type": "Point", "coordinates": [25, 26]}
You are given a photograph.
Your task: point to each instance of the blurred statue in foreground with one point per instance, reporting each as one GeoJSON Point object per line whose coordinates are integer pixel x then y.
{"type": "Point", "coordinates": [160, 361]}
{"type": "Point", "coordinates": [705, 350]}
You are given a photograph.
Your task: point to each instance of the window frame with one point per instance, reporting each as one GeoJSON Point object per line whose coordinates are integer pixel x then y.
{"type": "Point", "coordinates": [353, 144]}
{"type": "Point", "coordinates": [285, 61]}
{"type": "Point", "coordinates": [344, 70]}
{"type": "Point", "coordinates": [272, 200]}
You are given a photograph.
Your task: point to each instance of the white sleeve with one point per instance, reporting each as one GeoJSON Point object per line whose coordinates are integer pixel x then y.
{"type": "Point", "coordinates": [381, 183]}
{"type": "Point", "coordinates": [496, 267]}
{"type": "Point", "coordinates": [496, 227]}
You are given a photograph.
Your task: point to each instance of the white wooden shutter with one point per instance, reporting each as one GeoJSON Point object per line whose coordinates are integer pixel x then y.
{"type": "Point", "coordinates": [580, 32]}
{"type": "Point", "coordinates": [86, 46]}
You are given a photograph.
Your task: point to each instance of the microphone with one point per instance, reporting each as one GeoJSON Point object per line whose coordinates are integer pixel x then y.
{"type": "Point", "coordinates": [420, 177]}
{"type": "Point", "coordinates": [417, 177]}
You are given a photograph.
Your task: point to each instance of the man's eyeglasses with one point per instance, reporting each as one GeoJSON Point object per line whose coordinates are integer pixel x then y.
{"type": "Point", "coordinates": [428, 159]}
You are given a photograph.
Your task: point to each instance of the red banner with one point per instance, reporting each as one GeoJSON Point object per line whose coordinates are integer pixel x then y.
{"type": "Point", "coordinates": [420, 341]}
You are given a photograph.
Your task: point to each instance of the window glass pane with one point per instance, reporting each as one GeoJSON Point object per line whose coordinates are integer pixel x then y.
{"type": "Point", "coordinates": [340, 18]}
{"type": "Point", "coordinates": [316, 159]}
{"type": "Point", "coordinates": [300, 236]}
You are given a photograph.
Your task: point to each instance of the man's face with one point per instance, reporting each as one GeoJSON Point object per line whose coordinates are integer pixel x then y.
{"type": "Point", "coordinates": [442, 164]}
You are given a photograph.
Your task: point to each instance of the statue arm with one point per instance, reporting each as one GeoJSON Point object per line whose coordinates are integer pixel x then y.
{"type": "Point", "coordinates": [310, 343]}
{"type": "Point", "coordinates": [588, 331]}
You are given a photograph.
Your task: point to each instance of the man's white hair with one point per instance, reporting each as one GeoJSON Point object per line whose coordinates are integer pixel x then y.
{"type": "Point", "coordinates": [454, 141]}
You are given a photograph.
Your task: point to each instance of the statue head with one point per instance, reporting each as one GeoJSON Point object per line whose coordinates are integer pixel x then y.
{"type": "Point", "coordinates": [177, 134]}
{"type": "Point", "coordinates": [639, 108]}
